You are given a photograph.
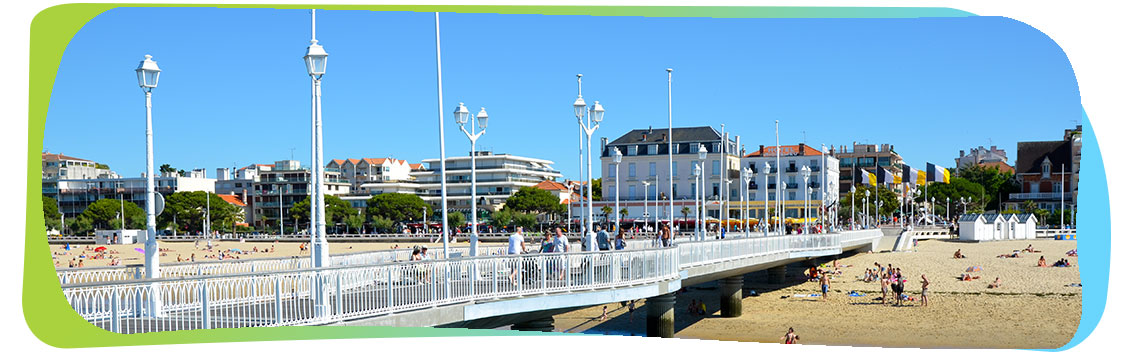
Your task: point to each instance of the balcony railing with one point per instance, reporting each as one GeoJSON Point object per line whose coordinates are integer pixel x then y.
{"type": "Point", "coordinates": [1034, 196]}
{"type": "Point", "coordinates": [791, 185]}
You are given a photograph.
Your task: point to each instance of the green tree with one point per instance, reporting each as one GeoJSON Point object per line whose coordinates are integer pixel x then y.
{"type": "Point", "coordinates": [534, 200]}
{"type": "Point", "coordinates": [606, 210]}
{"type": "Point", "coordinates": [597, 190]}
{"type": "Point", "coordinates": [501, 218]}
{"type": "Point", "coordinates": [398, 207]}
{"type": "Point", "coordinates": [188, 209]}
{"type": "Point", "coordinates": [686, 210]}
{"type": "Point", "coordinates": [51, 213]}
{"type": "Point", "coordinates": [355, 222]}
{"type": "Point", "coordinates": [997, 185]}
{"type": "Point", "coordinates": [166, 168]}
{"type": "Point", "coordinates": [80, 226]}
{"type": "Point", "coordinates": [623, 212]}
{"type": "Point", "coordinates": [103, 214]}
{"type": "Point", "coordinates": [889, 198]}
{"type": "Point", "coordinates": [528, 221]}
{"type": "Point", "coordinates": [336, 210]}
{"type": "Point", "coordinates": [456, 219]}
{"type": "Point", "coordinates": [381, 224]}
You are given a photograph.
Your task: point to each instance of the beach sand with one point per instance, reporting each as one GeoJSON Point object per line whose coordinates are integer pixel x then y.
{"type": "Point", "coordinates": [185, 249]}
{"type": "Point", "coordinates": [1034, 308]}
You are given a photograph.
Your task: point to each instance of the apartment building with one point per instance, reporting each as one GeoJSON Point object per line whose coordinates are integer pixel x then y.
{"type": "Point", "coordinates": [823, 182]}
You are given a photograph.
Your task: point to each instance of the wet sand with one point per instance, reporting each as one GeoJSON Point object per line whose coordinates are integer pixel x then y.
{"type": "Point", "coordinates": [1034, 308]}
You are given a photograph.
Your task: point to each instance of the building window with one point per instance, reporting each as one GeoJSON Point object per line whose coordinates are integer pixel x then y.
{"type": "Point", "coordinates": [651, 191]}
{"type": "Point", "coordinates": [792, 195]}
{"type": "Point", "coordinates": [651, 169]}
{"type": "Point", "coordinates": [611, 170]}
{"type": "Point", "coordinates": [651, 149]}
{"type": "Point", "coordinates": [772, 196]}
{"type": "Point", "coordinates": [675, 168]}
{"type": "Point", "coordinates": [631, 169]}
{"type": "Point", "coordinates": [632, 150]}
{"type": "Point", "coordinates": [1047, 168]}
{"type": "Point", "coordinates": [632, 191]}
{"type": "Point", "coordinates": [716, 167]}
{"type": "Point", "coordinates": [715, 189]}
{"type": "Point", "coordinates": [675, 188]}
{"type": "Point", "coordinates": [1057, 187]}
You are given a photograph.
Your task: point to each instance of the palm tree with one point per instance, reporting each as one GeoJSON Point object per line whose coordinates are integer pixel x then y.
{"type": "Point", "coordinates": [606, 210]}
{"type": "Point", "coordinates": [686, 211]}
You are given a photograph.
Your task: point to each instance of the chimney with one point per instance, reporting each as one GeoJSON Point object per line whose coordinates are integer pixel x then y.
{"type": "Point", "coordinates": [961, 153]}
{"type": "Point", "coordinates": [801, 146]}
{"type": "Point", "coordinates": [761, 149]}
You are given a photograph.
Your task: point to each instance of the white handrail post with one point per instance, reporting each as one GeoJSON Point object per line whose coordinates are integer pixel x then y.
{"type": "Point", "coordinates": [494, 276]}
{"type": "Point", "coordinates": [115, 319]}
{"type": "Point", "coordinates": [338, 300]}
{"type": "Point", "coordinates": [388, 297]}
{"type": "Point", "coordinates": [205, 315]}
{"type": "Point", "coordinates": [278, 301]}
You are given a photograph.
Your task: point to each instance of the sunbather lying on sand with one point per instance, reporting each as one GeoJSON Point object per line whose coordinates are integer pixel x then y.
{"type": "Point", "coordinates": [958, 254]}
{"type": "Point", "coordinates": [1030, 249]}
{"type": "Point", "coordinates": [968, 277]}
{"type": "Point", "coordinates": [996, 283]}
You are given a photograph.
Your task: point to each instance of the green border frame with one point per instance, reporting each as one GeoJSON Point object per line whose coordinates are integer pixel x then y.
{"type": "Point", "coordinates": [50, 317]}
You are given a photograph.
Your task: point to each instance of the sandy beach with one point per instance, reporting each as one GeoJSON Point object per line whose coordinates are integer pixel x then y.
{"type": "Point", "coordinates": [170, 251]}
{"type": "Point", "coordinates": [1034, 308]}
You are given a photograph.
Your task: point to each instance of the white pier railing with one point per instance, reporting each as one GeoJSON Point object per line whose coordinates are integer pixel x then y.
{"type": "Point", "coordinates": [340, 293]}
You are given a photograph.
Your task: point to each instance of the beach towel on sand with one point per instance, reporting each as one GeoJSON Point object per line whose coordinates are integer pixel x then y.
{"type": "Point", "coordinates": [856, 294]}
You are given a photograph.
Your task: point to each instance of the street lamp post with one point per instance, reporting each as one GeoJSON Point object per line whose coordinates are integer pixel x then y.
{"type": "Point", "coordinates": [646, 184]}
{"type": "Point", "coordinates": [931, 212]}
{"type": "Point", "coordinates": [461, 115]}
{"type": "Point", "coordinates": [670, 157]}
{"type": "Point", "coordinates": [702, 188]}
{"type": "Point", "coordinates": [866, 216]}
{"type": "Point", "coordinates": [596, 115]}
{"type": "Point", "coordinates": [947, 209]}
{"type": "Point", "coordinates": [765, 214]}
{"type": "Point", "coordinates": [616, 158]}
{"type": "Point", "coordinates": [315, 59]}
{"type": "Point", "coordinates": [697, 172]}
{"type": "Point", "coordinates": [747, 174]}
{"type": "Point", "coordinates": [805, 173]}
{"type": "Point", "coordinates": [851, 221]}
{"type": "Point", "coordinates": [964, 206]}
{"type": "Point", "coordinates": [579, 106]}
{"type": "Point", "coordinates": [147, 76]}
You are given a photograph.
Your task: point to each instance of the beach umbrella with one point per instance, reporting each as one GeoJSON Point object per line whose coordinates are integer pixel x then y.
{"type": "Point", "coordinates": [138, 249]}
{"type": "Point", "coordinates": [236, 250]}
{"type": "Point", "coordinates": [100, 249]}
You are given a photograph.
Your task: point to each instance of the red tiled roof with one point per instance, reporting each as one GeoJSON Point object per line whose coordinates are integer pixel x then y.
{"type": "Point", "coordinates": [1001, 166]}
{"type": "Point", "coordinates": [232, 199]}
{"type": "Point", "coordinates": [415, 165]}
{"type": "Point", "coordinates": [551, 185]}
{"type": "Point", "coordinates": [60, 156]}
{"type": "Point", "coordinates": [786, 150]}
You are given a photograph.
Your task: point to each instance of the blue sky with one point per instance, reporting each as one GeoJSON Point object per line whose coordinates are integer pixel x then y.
{"type": "Point", "coordinates": [234, 89]}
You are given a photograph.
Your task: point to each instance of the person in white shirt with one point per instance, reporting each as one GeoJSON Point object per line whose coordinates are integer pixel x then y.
{"type": "Point", "coordinates": [517, 242]}
{"type": "Point", "coordinates": [517, 246]}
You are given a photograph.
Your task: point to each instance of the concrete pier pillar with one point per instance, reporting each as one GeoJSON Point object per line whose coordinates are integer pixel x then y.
{"type": "Point", "coordinates": [542, 324]}
{"type": "Point", "coordinates": [776, 275]}
{"type": "Point", "coordinates": [661, 316]}
{"type": "Point", "coordinates": [730, 296]}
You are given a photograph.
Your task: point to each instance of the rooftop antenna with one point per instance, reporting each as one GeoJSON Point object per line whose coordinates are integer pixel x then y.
{"type": "Point", "coordinates": [292, 153]}
{"type": "Point", "coordinates": [804, 136]}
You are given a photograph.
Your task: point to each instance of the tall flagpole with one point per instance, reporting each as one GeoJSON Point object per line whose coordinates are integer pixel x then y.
{"type": "Point", "coordinates": [442, 149]}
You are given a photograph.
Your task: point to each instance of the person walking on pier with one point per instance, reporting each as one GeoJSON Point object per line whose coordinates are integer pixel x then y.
{"type": "Point", "coordinates": [517, 246]}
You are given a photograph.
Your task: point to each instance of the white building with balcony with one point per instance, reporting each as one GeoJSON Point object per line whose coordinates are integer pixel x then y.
{"type": "Point", "coordinates": [498, 176]}
{"type": "Point", "coordinates": [371, 170]}
{"type": "Point", "coordinates": [282, 185]}
{"type": "Point", "coordinates": [823, 182]}
{"type": "Point", "coordinates": [74, 195]}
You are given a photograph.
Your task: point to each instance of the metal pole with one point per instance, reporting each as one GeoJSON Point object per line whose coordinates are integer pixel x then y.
{"type": "Point", "coordinates": [1062, 190]}
{"type": "Point", "coordinates": [617, 188]}
{"type": "Point", "coordinates": [580, 163]}
{"type": "Point", "coordinates": [721, 179]}
{"type": "Point", "coordinates": [442, 149]}
{"type": "Point", "coordinates": [321, 247]}
{"type": "Point", "coordinates": [777, 202]}
{"type": "Point", "coordinates": [589, 128]}
{"type": "Point", "coordinates": [765, 214]}
{"type": "Point", "coordinates": [152, 261]}
{"type": "Point", "coordinates": [670, 155]}
{"type": "Point", "coordinates": [474, 211]}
